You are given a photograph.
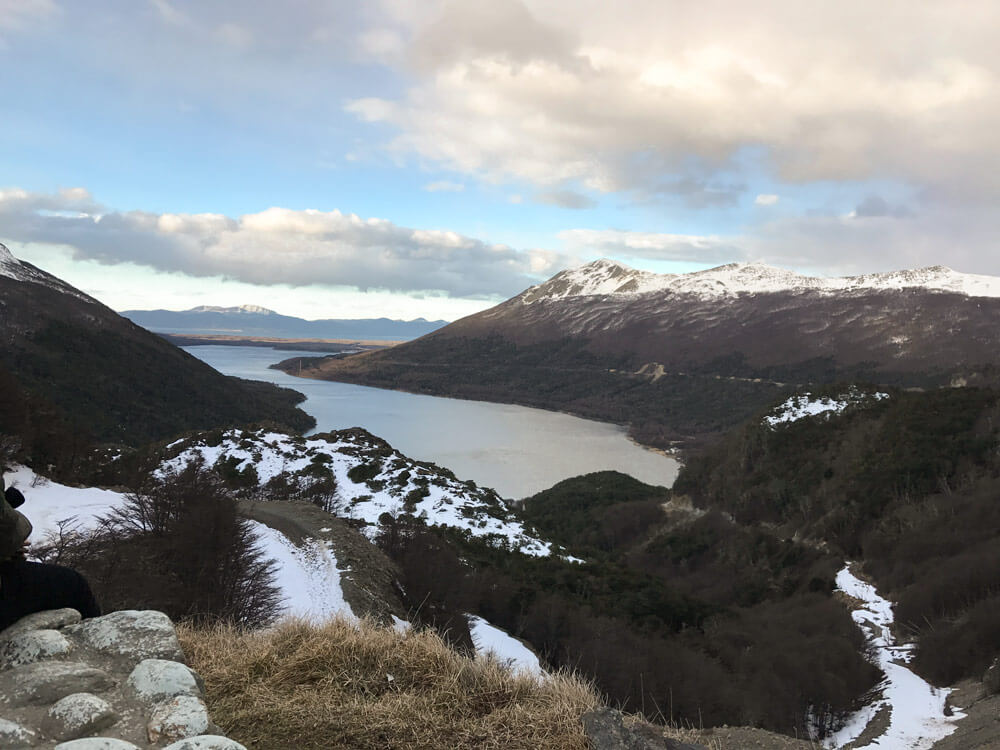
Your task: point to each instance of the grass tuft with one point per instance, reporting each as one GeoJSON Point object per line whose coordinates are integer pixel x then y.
{"type": "Point", "coordinates": [344, 685]}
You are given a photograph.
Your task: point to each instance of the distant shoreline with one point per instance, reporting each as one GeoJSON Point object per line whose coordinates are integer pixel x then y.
{"type": "Point", "coordinates": [316, 345]}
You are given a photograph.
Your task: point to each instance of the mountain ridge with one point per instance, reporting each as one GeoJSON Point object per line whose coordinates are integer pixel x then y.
{"type": "Point", "coordinates": [610, 277]}
{"type": "Point", "coordinates": [260, 322]}
{"type": "Point", "coordinates": [681, 367]}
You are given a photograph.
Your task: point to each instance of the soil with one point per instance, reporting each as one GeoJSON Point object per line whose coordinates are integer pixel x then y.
{"type": "Point", "coordinates": [980, 729]}
{"type": "Point", "coordinates": [740, 738]}
{"type": "Point", "coordinates": [367, 575]}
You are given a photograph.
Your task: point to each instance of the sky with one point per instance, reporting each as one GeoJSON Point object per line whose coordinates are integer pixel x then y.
{"type": "Point", "coordinates": [430, 158]}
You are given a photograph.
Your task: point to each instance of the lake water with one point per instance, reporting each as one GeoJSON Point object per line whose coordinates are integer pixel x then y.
{"type": "Point", "coordinates": [514, 449]}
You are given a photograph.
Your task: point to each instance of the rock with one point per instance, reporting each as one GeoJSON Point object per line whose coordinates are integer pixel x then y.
{"type": "Point", "coordinates": [991, 680]}
{"type": "Point", "coordinates": [606, 730]}
{"type": "Point", "coordinates": [155, 679]}
{"type": "Point", "coordinates": [51, 619]}
{"type": "Point", "coordinates": [77, 715]}
{"type": "Point", "coordinates": [14, 737]}
{"type": "Point", "coordinates": [47, 682]}
{"type": "Point", "coordinates": [206, 742]}
{"type": "Point", "coordinates": [96, 743]}
{"type": "Point", "coordinates": [123, 678]}
{"type": "Point", "coordinates": [135, 634]}
{"type": "Point", "coordinates": [30, 646]}
{"type": "Point", "coordinates": [178, 718]}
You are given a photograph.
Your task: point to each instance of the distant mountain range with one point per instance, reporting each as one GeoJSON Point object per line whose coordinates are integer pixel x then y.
{"type": "Point", "coordinates": [259, 322]}
{"type": "Point", "coordinates": [72, 371]}
{"type": "Point", "coordinates": [681, 356]}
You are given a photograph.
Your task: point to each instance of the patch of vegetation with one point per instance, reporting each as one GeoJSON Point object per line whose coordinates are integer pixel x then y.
{"type": "Point", "coordinates": [362, 686]}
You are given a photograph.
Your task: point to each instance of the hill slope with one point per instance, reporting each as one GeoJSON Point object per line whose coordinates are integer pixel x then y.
{"type": "Point", "coordinates": [250, 320]}
{"type": "Point", "coordinates": [68, 360]}
{"type": "Point", "coordinates": [677, 357]}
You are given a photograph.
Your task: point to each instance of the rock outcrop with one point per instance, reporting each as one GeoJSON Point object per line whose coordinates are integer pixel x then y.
{"type": "Point", "coordinates": [116, 682]}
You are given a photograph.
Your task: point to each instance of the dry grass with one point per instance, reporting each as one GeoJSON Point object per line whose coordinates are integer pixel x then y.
{"type": "Point", "coordinates": [342, 685]}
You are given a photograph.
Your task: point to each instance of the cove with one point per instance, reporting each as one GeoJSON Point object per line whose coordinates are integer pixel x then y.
{"type": "Point", "coordinates": [516, 450]}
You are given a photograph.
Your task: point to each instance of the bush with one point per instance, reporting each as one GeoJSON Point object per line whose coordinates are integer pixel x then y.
{"type": "Point", "coordinates": [177, 545]}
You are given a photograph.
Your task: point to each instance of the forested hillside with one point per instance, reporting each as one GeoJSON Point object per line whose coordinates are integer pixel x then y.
{"type": "Point", "coordinates": [906, 484]}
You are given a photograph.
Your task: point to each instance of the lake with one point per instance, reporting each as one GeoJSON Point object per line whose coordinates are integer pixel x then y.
{"type": "Point", "coordinates": [516, 450]}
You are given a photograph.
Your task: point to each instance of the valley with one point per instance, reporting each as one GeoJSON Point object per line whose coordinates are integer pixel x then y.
{"type": "Point", "coordinates": [712, 595]}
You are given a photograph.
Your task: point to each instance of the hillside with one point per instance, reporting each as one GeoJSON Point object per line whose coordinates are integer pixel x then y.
{"type": "Point", "coordinates": [251, 321]}
{"type": "Point", "coordinates": [682, 357]}
{"type": "Point", "coordinates": [905, 483]}
{"type": "Point", "coordinates": [70, 365]}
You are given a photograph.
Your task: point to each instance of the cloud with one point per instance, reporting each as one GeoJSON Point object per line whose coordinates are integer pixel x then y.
{"type": "Point", "coordinates": [443, 186]}
{"type": "Point", "coordinates": [877, 206]}
{"type": "Point", "coordinates": [565, 199]}
{"type": "Point", "coordinates": [277, 246]}
{"type": "Point", "coordinates": [765, 199]}
{"type": "Point", "coordinates": [618, 97]}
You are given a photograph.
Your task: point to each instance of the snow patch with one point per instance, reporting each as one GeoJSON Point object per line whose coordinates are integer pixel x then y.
{"type": "Point", "coordinates": [14, 269]}
{"type": "Point", "coordinates": [918, 718]}
{"type": "Point", "coordinates": [491, 639]}
{"type": "Point", "coordinates": [397, 486]}
{"type": "Point", "coordinates": [806, 405]}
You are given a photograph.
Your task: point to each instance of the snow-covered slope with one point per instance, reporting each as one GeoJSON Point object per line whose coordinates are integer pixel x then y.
{"type": "Point", "coordinates": [607, 277]}
{"type": "Point", "coordinates": [12, 268]}
{"type": "Point", "coordinates": [306, 574]}
{"type": "Point", "coordinates": [360, 476]}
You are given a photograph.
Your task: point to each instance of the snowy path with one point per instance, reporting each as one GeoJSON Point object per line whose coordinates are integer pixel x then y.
{"type": "Point", "coordinates": [918, 717]}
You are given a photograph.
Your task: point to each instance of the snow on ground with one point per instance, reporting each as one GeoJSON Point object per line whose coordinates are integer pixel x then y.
{"type": "Point", "coordinates": [918, 719]}
{"type": "Point", "coordinates": [307, 575]}
{"type": "Point", "coordinates": [397, 485]}
{"type": "Point", "coordinates": [806, 405]}
{"type": "Point", "coordinates": [47, 503]}
{"type": "Point", "coordinates": [490, 639]}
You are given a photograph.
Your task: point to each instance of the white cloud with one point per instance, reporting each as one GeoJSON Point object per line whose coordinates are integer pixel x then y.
{"type": "Point", "coordinates": [443, 186]}
{"type": "Point", "coordinates": [277, 246]}
{"type": "Point", "coordinates": [765, 199]}
{"type": "Point", "coordinates": [654, 245]}
{"type": "Point", "coordinates": [624, 96]}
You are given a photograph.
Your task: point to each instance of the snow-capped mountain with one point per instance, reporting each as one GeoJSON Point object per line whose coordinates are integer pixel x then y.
{"type": "Point", "coordinates": [684, 355]}
{"type": "Point", "coordinates": [251, 321]}
{"type": "Point", "coordinates": [608, 277]}
{"type": "Point", "coordinates": [238, 310]}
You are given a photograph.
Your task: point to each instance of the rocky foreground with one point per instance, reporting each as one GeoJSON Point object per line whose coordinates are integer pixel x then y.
{"type": "Point", "coordinates": [117, 682]}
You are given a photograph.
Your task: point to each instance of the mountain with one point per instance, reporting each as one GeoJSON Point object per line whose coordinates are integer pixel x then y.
{"type": "Point", "coordinates": [72, 367]}
{"type": "Point", "coordinates": [678, 357]}
{"type": "Point", "coordinates": [251, 320]}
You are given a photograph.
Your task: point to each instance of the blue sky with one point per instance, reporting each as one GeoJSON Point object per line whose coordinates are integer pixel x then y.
{"type": "Point", "coordinates": [404, 158]}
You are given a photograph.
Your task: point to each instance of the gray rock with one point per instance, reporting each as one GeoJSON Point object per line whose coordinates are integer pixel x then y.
{"type": "Point", "coordinates": [135, 634]}
{"type": "Point", "coordinates": [51, 619]}
{"type": "Point", "coordinates": [47, 682]}
{"type": "Point", "coordinates": [606, 730]}
{"type": "Point", "coordinates": [78, 715]}
{"type": "Point", "coordinates": [206, 742]}
{"type": "Point", "coordinates": [178, 718]}
{"type": "Point", "coordinates": [33, 645]}
{"type": "Point", "coordinates": [991, 680]}
{"type": "Point", "coordinates": [14, 737]}
{"type": "Point", "coordinates": [96, 743]}
{"type": "Point", "coordinates": [155, 679]}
